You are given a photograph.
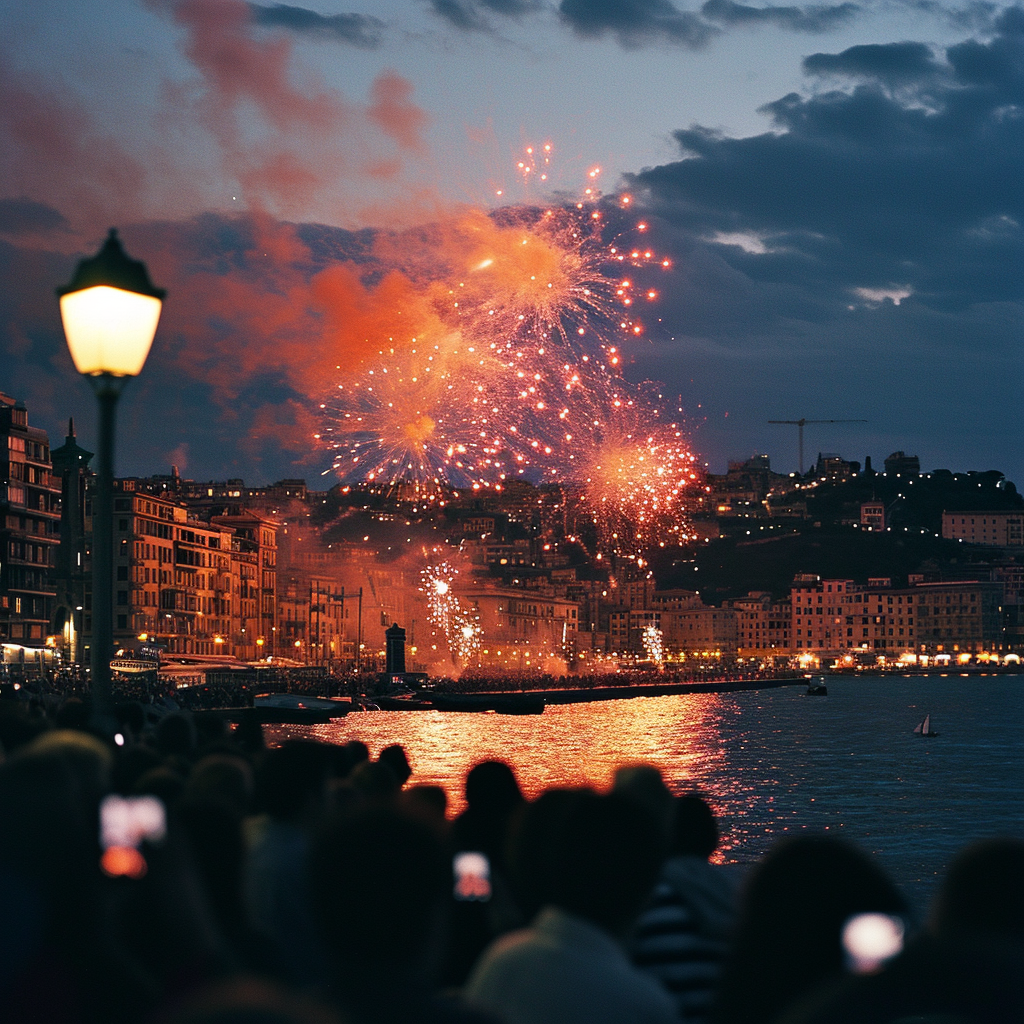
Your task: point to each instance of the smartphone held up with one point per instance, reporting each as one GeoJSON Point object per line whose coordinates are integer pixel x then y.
{"type": "Point", "coordinates": [125, 824]}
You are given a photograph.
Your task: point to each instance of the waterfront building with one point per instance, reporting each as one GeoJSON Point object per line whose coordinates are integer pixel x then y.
{"type": "Point", "coordinates": [317, 620]}
{"type": "Point", "coordinates": [884, 619]}
{"type": "Point", "coordinates": [832, 617]}
{"type": "Point", "coordinates": [818, 610]}
{"type": "Point", "coordinates": [29, 528]}
{"type": "Point", "coordinates": [762, 626]}
{"type": "Point", "coordinates": [964, 617]}
{"type": "Point", "coordinates": [522, 629]}
{"type": "Point", "coordinates": [174, 585]}
{"type": "Point", "coordinates": [701, 632]}
{"type": "Point", "coordinates": [998, 529]}
{"type": "Point", "coordinates": [254, 568]}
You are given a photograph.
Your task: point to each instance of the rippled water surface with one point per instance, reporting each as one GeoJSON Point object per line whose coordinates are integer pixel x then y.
{"type": "Point", "coordinates": [773, 762]}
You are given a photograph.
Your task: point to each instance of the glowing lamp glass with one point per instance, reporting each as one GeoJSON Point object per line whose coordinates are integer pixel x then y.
{"type": "Point", "coordinates": [109, 330]}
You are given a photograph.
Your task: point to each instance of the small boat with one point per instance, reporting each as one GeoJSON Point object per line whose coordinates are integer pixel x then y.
{"type": "Point", "coordinates": [817, 688]}
{"type": "Point", "coordinates": [925, 728]}
{"type": "Point", "coordinates": [331, 706]}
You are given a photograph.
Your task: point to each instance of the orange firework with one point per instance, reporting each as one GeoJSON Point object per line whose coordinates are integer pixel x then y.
{"type": "Point", "coordinates": [520, 375]}
{"type": "Point", "coordinates": [634, 475]}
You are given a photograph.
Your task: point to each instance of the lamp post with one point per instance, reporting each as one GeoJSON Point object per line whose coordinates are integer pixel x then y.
{"type": "Point", "coordinates": [110, 311]}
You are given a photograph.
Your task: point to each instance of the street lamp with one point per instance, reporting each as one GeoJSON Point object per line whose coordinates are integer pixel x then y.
{"type": "Point", "coordinates": [110, 311]}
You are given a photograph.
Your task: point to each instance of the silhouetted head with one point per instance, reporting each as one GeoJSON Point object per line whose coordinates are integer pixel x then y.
{"type": "Point", "coordinates": [983, 892]}
{"type": "Point", "coordinates": [491, 788]}
{"type": "Point", "coordinates": [375, 781]}
{"type": "Point", "coordinates": [162, 782]}
{"type": "Point", "coordinates": [130, 764]}
{"type": "Point", "coordinates": [429, 801]}
{"type": "Point", "coordinates": [74, 713]}
{"type": "Point", "coordinates": [694, 829]}
{"type": "Point", "coordinates": [19, 726]}
{"type": "Point", "coordinates": [395, 758]}
{"type": "Point", "coordinates": [176, 735]}
{"type": "Point", "coordinates": [223, 777]}
{"type": "Point", "coordinates": [291, 780]}
{"type": "Point", "coordinates": [788, 938]}
{"type": "Point", "coordinates": [49, 847]}
{"type": "Point", "coordinates": [382, 879]}
{"type": "Point", "coordinates": [354, 753]}
{"type": "Point", "coordinates": [213, 829]}
{"type": "Point", "coordinates": [644, 783]}
{"type": "Point", "coordinates": [89, 759]}
{"type": "Point", "coordinates": [131, 716]}
{"type": "Point", "coordinates": [594, 856]}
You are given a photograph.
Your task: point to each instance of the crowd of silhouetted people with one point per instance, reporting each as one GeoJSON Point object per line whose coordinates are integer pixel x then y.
{"type": "Point", "coordinates": [313, 882]}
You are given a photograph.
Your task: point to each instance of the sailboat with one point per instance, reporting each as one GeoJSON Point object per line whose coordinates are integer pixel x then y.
{"type": "Point", "coordinates": [925, 728]}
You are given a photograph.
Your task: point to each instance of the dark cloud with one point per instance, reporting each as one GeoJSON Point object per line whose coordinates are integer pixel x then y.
{"type": "Point", "coordinates": [358, 29]}
{"type": "Point", "coordinates": [636, 22]}
{"type": "Point", "coordinates": [998, 64]}
{"type": "Point", "coordinates": [512, 8]}
{"type": "Point", "coordinates": [798, 19]}
{"type": "Point", "coordinates": [974, 16]}
{"type": "Point", "coordinates": [463, 15]}
{"type": "Point", "coordinates": [888, 62]}
{"type": "Point", "coordinates": [471, 15]}
{"type": "Point", "coordinates": [26, 216]}
{"type": "Point", "coordinates": [921, 189]}
{"type": "Point", "coordinates": [862, 255]}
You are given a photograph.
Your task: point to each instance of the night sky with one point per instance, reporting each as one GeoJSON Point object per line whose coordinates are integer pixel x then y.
{"type": "Point", "coordinates": [839, 186]}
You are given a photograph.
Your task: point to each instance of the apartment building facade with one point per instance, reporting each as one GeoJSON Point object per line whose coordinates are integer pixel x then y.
{"type": "Point", "coordinates": [998, 529]}
{"type": "Point", "coordinates": [188, 586]}
{"type": "Point", "coordinates": [762, 626]}
{"type": "Point", "coordinates": [29, 528]}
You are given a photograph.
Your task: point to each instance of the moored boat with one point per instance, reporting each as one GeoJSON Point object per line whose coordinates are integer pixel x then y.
{"type": "Point", "coordinates": [335, 707]}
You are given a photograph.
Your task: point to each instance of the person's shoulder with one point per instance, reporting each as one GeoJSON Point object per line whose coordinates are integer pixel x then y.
{"type": "Point", "coordinates": [504, 954]}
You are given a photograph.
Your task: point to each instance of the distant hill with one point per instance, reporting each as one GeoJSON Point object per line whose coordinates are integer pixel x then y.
{"type": "Point", "coordinates": [732, 567]}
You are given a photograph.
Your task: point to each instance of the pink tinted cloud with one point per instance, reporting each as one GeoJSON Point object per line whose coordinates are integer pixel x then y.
{"type": "Point", "coordinates": [305, 138]}
{"type": "Point", "coordinates": [51, 151]}
{"type": "Point", "coordinates": [237, 67]}
{"type": "Point", "coordinates": [393, 110]}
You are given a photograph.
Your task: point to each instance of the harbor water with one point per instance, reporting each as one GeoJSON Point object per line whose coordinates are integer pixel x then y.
{"type": "Point", "coordinates": [773, 762]}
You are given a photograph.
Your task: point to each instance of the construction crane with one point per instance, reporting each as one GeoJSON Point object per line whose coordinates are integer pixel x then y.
{"type": "Point", "coordinates": [800, 423]}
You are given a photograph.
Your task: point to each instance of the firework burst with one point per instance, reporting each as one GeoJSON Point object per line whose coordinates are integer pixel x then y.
{"type": "Point", "coordinates": [446, 612]}
{"type": "Point", "coordinates": [654, 645]}
{"type": "Point", "coordinates": [520, 374]}
{"type": "Point", "coordinates": [549, 282]}
{"type": "Point", "coordinates": [430, 417]}
{"type": "Point", "coordinates": [633, 474]}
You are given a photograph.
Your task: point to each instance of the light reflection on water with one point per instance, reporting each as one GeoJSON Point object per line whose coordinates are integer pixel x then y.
{"type": "Point", "coordinates": [772, 762]}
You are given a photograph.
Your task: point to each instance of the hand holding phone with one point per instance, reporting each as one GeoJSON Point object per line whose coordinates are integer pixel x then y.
{"type": "Point", "coordinates": [869, 940]}
{"type": "Point", "coordinates": [472, 876]}
{"type": "Point", "coordinates": [125, 823]}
